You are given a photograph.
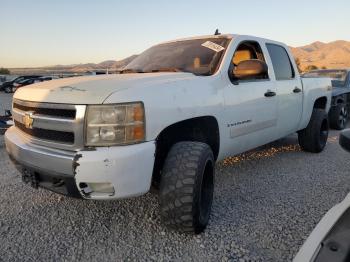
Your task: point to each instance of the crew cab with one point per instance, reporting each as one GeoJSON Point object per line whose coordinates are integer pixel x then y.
{"type": "Point", "coordinates": [165, 120]}
{"type": "Point", "coordinates": [340, 106]}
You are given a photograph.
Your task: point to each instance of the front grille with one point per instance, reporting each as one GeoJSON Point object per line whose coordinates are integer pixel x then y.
{"type": "Point", "coordinates": [53, 125]}
{"type": "Point", "coordinates": [47, 111]}
{"type": "Point", "coordinates": [51, 135]}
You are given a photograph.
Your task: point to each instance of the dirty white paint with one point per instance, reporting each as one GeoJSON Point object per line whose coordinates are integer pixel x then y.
{"type": "Point", "coordinates": [172, 97]}
{"type": "Point", "coordinates": [128, 168]}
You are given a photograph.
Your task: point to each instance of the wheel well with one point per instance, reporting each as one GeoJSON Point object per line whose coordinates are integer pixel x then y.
{"type": "Point", "coordinates": [201, 129]}
{"type": "Point", "coordinates": [340, 100]}
{"type": "Point", "coordinates": [321, 103]}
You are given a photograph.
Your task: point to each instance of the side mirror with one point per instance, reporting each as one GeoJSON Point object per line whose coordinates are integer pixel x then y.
{"type": "Point", "coordinates": [250, 69]}
{"type": "Point", "coordinates": [344, 140]}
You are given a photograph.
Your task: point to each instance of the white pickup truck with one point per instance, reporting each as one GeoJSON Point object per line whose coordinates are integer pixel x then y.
{"type": "Point", "coordinates": [165, 120]}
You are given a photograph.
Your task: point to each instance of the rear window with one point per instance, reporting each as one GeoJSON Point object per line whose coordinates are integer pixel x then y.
{"type": "Point", "coordinates": [281, 63]}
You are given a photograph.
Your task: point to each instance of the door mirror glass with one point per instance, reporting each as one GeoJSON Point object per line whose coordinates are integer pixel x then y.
{"type": "Point", "coordinates": [250, 69]}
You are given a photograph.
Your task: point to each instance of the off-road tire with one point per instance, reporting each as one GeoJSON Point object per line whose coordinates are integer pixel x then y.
{"type": "Point", "coordinates": [314, 137]}
{"type": "Point", "coordinates": [338, 116]}
{"type": "Point", "coordinates": [186, 187]}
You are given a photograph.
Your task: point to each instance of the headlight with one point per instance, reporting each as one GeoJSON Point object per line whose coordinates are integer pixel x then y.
{"type": "Point", "coordinates": [118, 124]}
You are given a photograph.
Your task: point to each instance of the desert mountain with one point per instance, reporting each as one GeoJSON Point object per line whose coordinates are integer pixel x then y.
{"type": "Point", "coordinates": [111, 65]}
{"type": "Point", "coordinates": [330, 55]}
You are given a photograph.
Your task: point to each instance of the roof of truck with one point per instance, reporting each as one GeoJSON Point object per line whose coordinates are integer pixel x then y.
{"type": "Point", "coordinates": [228, 36]}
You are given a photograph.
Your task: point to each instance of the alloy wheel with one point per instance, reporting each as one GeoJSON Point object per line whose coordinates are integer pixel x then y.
{"type": "Point", "coordinates": [343, 117]}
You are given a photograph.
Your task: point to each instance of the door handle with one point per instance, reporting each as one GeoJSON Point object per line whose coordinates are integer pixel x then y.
{"type": "Point", "coordinates": [296, 90]}
{"type": "Point", "coordinates": [269, 93]}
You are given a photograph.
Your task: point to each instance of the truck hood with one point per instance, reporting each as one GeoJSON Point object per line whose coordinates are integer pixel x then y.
{"type": "Point", "coordinates": [93, 89]}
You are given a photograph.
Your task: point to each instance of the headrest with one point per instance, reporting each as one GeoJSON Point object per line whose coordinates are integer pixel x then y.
{"type": "Point", "coordinates": [241, 55]}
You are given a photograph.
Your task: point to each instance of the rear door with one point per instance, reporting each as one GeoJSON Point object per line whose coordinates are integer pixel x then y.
{"type": "Point", "coordinates": [289, 90]}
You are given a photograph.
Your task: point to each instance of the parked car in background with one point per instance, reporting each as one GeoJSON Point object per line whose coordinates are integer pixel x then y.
{"type": "Point", "coordinates": [47, 78]}
{"type": "Point", "coordinates": [2, 79]}
{"type": "Point", "coordinates": [30, 81]}
{"type": "Point", "coordinates": [344, 140]}
{"type": "Point", "coordinates": [330, 240]}
{"type": "Point", "coordinates": [5, 121]}
{"type": "Point", "coordinates": [8, 86]}
{"type": "Point", "coordinates": [24, 82]}
{"type": "Point", "coordinates": [339, 113]}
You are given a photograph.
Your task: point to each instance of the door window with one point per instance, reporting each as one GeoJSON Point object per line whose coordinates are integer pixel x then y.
{"type": "Point", "coordinates": [281, 63]}
{"type": "Point", "coordinates": [248, 50]}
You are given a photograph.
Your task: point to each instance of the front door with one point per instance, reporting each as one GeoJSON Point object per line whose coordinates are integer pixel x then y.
{"type": "Point", "coordinates": [250, 105]}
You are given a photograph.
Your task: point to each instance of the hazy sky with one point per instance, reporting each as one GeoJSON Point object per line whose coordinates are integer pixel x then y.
{"type": "Point", "coordinates": [43, 32]}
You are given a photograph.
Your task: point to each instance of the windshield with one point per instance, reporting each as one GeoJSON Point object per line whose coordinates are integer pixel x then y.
{"type": "Point", "coordinates": [338, 76]}
{"type": "Point", "coordinates": [198, 56]}
{"type": "Point", "coordinates": [22, 81]}
{"type": "Point", "coordinates": [18, 79]}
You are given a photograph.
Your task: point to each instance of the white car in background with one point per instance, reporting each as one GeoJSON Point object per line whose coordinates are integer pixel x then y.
{"type": "Point", "coordinates": [330, 240]}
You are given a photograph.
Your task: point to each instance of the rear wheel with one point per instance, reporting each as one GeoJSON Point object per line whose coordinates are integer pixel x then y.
{"type": "Point", "coordinates": [314, 137]}
{"type": "Point", "coordinates": [338, 116]}
{"type": "Point", "coordinates": [187, 185]}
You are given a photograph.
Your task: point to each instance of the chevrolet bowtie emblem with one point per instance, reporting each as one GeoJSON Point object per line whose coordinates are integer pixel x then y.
{"type": "Point", "coordinates": [28, 120]}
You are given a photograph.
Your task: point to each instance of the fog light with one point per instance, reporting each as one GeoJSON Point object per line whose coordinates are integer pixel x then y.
{"type": "Point", "coordinates": [90, 188]}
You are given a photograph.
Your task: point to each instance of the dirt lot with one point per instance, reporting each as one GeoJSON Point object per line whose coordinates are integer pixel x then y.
{"type": "Point", "coordinates": [5, 102]}
{"type": "Point", "coordinates": [266, 203]}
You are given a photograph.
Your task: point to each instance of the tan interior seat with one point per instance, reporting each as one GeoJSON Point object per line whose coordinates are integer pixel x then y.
{"type": "Point", "coordinates": [241, 55]}
{"type": "Point", "coordinates": [196, 63]}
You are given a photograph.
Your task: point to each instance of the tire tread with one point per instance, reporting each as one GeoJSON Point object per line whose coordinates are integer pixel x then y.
{"type": "Point", "coordinates": [309, 137]}
{"type": "Point", "coordinates": [179, 185]}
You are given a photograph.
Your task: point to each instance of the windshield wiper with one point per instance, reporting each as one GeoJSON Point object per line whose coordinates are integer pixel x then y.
{"type": "Point", "coordinates": [169, 69]}
{"type": "Point", "coordinates": [166, 69]}
{"type": "Point", "coordinates": [130, 71]}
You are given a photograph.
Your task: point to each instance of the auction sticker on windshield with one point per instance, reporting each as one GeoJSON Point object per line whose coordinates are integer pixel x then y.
{"type": "Point", "coordinates": [215, 47]}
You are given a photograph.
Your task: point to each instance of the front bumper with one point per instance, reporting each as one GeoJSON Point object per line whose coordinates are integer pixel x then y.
{"type": "Point", "coordinates": [126, 171]}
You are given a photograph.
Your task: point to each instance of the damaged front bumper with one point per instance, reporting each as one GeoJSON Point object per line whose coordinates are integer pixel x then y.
{"type": "Point", "coordinates": [102, 173]}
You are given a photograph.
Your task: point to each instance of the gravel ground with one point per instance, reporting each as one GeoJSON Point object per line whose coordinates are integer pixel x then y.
{"type": "Point", "coordinates": [5, 102]}
{"type": "Point", "coordinates": [266, 203]}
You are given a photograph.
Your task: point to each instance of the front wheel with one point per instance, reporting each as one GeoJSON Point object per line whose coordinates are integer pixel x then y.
{"type": "Point", "coordinates": [338, 116]}
{"type": "Point", "coordinates": [314, 137]}
{"type": "Point", "coordinates": [186, 187]}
